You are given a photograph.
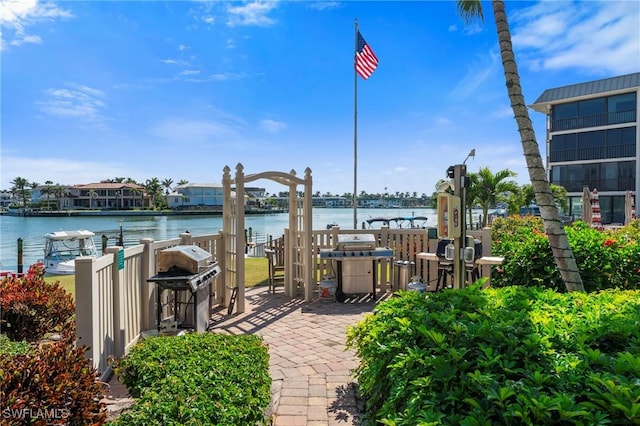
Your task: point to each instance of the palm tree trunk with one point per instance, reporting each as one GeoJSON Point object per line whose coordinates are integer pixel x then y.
{"type": "Point", "coordinates": [560, 247]}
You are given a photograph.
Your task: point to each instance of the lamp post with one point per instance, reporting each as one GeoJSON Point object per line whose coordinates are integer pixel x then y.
{"type": "Point", "coordinates": [120, 237]}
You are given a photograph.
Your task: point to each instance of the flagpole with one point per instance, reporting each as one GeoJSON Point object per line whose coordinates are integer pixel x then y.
{"type": "Point", "coordinates": [355, 132]}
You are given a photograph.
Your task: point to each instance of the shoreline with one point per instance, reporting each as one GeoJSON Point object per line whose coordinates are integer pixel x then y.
{"type": "Point", "coordinates": [120, 213]}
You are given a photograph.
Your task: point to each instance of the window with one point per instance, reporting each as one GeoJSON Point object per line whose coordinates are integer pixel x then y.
{"type": "Point", "coordinates": [592, 112]}
{"type": "Point", "coordinates": [609, 172]}
{"type": "Point", "coordinates": [563, 147]}
{"type": "Point", "coordinates": [622, 108]}
{"type": "Point", "coordinates": [613, 176]}
{"type": "Point", "coordinates": [564, 116]}
{"type": "Point", "coordinates": [591, 145]}
{"type": "Point", "coordinates": [591, 175]}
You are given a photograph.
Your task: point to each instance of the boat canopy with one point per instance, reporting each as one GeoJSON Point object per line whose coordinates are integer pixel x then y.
{"type": "Point", "coordinates": [398, 220]}
{"type": "Point", "coordinates": [69, 235]}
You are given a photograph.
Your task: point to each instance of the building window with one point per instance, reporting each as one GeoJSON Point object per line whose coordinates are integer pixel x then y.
{"type": "Point", "coordinates": [611, 176]}
{"type": "Point", "coordinates": [594, 112]}
{"type": "Point", "coordinates": [622, 108]}
{"type": "Point", "coordinates": [598, 145]}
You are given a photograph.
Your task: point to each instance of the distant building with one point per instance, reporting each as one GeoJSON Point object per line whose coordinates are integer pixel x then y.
{"type": "Point", "coordinates": [102, 195]}
{"type": "Point", "coordinates": [593, 139]}
{"type": "Point", "coordinates": [6, 199]}
{"type": "Point", "coordinates": [192, 195]}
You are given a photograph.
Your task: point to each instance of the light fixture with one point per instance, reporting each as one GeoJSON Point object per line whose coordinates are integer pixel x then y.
{"type": "Point", "coordinates": [471, 154]}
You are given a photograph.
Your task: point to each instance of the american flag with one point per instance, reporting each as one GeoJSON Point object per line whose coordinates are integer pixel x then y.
{"type": "Point", "coordinates": [366, 60]}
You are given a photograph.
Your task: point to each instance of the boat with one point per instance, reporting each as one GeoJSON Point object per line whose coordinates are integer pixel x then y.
{"type": "Point", "coordinates": [400, 221]}
{"type": "Point", "coordinates": [62, 248]}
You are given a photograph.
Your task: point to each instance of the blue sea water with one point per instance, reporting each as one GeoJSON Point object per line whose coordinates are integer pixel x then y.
{"type": "Point", "coordinates": [33, 229]}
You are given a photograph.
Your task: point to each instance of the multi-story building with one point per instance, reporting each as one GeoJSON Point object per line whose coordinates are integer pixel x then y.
{"type": "Point", "coordinates": [101, 196]}
{"type": "Point", "coordinates": [593, 140]}
{"type": "Point", "coordinates": [192, 195]}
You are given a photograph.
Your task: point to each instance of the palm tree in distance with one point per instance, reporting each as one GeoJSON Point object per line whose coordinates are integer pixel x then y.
{"type": "Point", "coordinates": [167, 185]}
{"type": "Point", "coordinates": [21, 186]}
{"type": "Point", "coordinates": [492, 188]}
{"type": "Point", "coordinates": [471, 10]}
{"type": "Point", "coordinates": [525, 198]}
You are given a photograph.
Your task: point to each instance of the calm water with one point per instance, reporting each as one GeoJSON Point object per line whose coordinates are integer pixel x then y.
{"type": "Point", "coordinates": [32, 229]}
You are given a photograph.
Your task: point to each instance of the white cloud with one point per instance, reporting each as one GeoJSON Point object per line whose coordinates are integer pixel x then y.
{"type": "Point", "coordinates": [325, 5]}
{"type": "Point", "coordinates": [483, 69]}
{"type": "Point", "coordinates": [188, 72]}
{"type": "Point", "coordinates": [602, 37]}
{"type": "Point", "coordinates": [18, 15]}
{"type": "Point", "coordinates": [78, 102]}
{"type": "Point", "coordinates": [180, 130]}
{"type": "Point", "coordinates": [59, 170]}
{"type": "Point", "coordinates": [253, 13]}
{"type": "Point", "coordinates": [272, 126]}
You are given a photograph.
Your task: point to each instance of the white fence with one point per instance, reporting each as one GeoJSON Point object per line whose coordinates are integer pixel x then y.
{"type": "Point", "coordinates": [115, 303]}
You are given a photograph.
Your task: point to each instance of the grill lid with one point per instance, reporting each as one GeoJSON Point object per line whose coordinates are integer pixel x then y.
{"type": "Point", "coordinates": [191, 259]}
{"type": "Point", "coordinates": [347, 242]}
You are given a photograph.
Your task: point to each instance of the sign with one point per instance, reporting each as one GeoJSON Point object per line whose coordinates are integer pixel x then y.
{"type": "Point", "coordinates": [449, 215]}
{"type": "Point", "coordinates": [120, 259]}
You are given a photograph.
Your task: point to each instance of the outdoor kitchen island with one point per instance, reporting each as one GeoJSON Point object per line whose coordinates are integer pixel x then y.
{"type": "Point", "coordinates": [356, 259]}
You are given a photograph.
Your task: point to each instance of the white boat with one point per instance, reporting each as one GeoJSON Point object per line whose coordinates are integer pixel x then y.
{"type": "Point", "coordinates": [63, 247]}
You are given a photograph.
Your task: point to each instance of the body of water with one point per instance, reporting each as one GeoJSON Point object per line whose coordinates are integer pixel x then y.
{"type": "Point", "coordinates": [33, 229]}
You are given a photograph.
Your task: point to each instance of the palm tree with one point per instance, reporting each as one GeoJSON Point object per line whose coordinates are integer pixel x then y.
{"type": "Point", "coordinates": [47, 191]}
{"type": "Point", "coordinates": [21, 186]}
{"type": "Point", "coordinates": [167, 185]}
{"type": "Point", "coordinates": [137, 191]}
{"type": "Point", "coordinates": [153, 188]}
{"type": "Point", "coordinates": [58, 192]}
{"type": "Point", "coordinates": [525, 197]}
{"type": "Point", "coordinates": [491, 189]}
{"type": "Point", "coordinates": [562, 253]}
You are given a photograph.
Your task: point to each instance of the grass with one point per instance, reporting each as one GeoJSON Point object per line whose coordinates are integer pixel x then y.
{"type": "Point", "coordinates": [67, 282]}
{"type": "Point", "coordinates": [256, 273]}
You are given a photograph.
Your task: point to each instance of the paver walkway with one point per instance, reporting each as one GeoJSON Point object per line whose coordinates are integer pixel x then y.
{"type": "Point", "coordinates": [310, 369]}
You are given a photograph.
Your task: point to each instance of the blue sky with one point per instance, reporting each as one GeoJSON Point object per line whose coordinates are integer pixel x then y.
{"type": "Point", "coordinates": [93, 90]}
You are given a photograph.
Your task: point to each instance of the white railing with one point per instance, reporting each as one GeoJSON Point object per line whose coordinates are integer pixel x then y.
{"type": "Point", "coordinates": [115, 302]}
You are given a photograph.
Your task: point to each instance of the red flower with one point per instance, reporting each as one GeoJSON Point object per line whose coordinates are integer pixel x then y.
{"type": "Point", "coordinates": [608, 243]}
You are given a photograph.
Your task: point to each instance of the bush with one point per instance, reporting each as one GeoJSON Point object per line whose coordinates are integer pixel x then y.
{"type": "Point", "coordinates": [510, 356]}
{"type": "Point", "coordinates": [30, 307]}
{"type": "Point", "coordinates": [197, 379]}
{"type": "Point", "coordinates": [51, 384]}
{"type": "Point", "coordinates": [606, 259]}
{"type": "Point", "coordinates": [9, 347]}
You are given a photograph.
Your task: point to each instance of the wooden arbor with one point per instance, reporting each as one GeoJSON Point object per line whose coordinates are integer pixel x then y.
{"type": "Point", "coordinates": [298, 267]}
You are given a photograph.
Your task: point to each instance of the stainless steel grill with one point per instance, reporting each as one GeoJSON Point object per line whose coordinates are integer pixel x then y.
{"type": "Point", "coordinates": [353, 242]}
{"type": "Point", "coordinates": [356, 256]}
{"type": "Point", "coordinates": [186, 269]}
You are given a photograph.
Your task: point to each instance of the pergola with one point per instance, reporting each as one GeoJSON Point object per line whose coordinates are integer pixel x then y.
{"type": "Point", "coordinates": [298, 266]}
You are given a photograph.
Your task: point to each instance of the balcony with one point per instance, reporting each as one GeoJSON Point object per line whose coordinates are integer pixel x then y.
{"type": "Point", "coordinates": [594, 120]}
{"type": "Point", "coordinates": [597, 153]}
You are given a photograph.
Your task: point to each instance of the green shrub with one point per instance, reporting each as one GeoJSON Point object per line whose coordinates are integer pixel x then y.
{"type": "Point", "coordinates": [197, 379]}
{"type": "Point", "coordinates": [9, 347]}
{"type": "Point", "coordinates": [51, 384]}
{"type": "Point", "coordinates": [509, 356]}
{"type": "Point", "coordinates": [606, 259]}
{"type": "Point", "coordinates": [30, 307]}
